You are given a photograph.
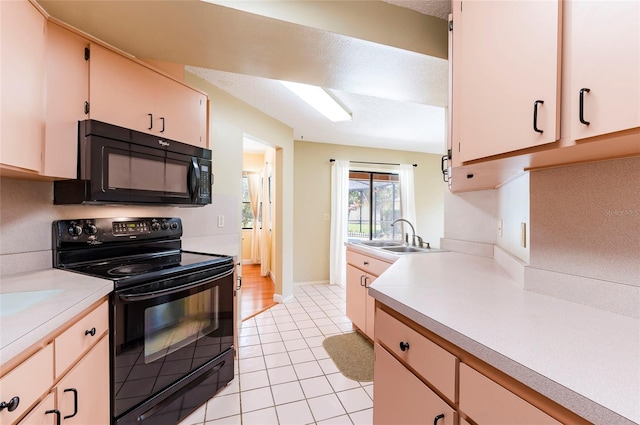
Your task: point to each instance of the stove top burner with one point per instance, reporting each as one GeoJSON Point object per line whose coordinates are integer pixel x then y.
{"type": "Point", "coordinates": [133, 269]}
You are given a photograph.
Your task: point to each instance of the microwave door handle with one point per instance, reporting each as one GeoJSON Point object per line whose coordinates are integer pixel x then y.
{"type": "Point", "coordinates": [161, 293]}
{"type": "Point", "coordinates": [194, 179]}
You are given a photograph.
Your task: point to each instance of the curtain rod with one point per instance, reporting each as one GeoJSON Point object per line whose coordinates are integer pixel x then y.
{"type": "Point", "coordinates": [375, 163]}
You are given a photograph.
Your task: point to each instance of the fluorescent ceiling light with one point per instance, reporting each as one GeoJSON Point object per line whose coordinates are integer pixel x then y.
{"type": "Point", "coordinates": [320, 99]}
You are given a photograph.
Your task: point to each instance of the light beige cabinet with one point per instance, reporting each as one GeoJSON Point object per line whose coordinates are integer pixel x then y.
{"type": "Point", "coordinates": [486, 402]}
{"type": "Point", "coordinates": [508, 70]}
{"type": "Point", "coordinates": [127, 93]}
{"type": "Point", "coordinates": [22, 64]}
{"type": "Point", "coordinates": [419, 376]}
{"type": "Point", "coordinates": [599, 85]}
{"type": "Point", "coordinates": [68, 377]}
{"type": "Point", "coordinates": [362, 271]}
{"type": "Point", "coordinates": [67, 80]}
{"type": "Point", "coordinates": [416, 395]}
{"type": "Point", "coordinates": [603, 82]}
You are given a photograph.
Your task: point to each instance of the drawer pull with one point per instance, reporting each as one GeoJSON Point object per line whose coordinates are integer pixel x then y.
{"type": "Point", "coordinates": [57, 413]}
{"type": "Point", "coordinates": [582, 92]}
{"type": "Point", "coordinates": [75, 402]}
{"type": "Point", "coordinates": [366, 263]}
{"type": "Point", "coordinates": [404, 346]}
{"type": "Point", "coordinates": [437, 418]}
{"type": "Point", "coordinates": [91, 332]}
{"type": "Point", "coordinates": [11, 405]}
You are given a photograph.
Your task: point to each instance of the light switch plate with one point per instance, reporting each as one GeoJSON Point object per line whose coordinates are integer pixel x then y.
{"type": "Point", "coordinates": [220, 221]}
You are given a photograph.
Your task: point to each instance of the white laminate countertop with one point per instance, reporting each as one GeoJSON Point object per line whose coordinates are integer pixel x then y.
{"type": "Point", "coordinates": [585, 359]}
{"type": "Point", "coordinates": [32, 305]}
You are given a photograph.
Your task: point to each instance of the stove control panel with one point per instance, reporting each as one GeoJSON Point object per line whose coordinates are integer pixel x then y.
{"type": "Point", "coordinates": [95, 231]}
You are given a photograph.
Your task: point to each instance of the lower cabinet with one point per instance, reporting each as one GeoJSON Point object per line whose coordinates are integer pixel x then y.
{"type": "Point", "coordinates": [486, 402]}
{"type": "Point", "coordinates": [79, 394]}
{"type": "Point", "coordinates": [401, 398]}
{"type": "Point", "coordinates": [362, 271]}
{"type": "Point", "coordinates": [418, 377]}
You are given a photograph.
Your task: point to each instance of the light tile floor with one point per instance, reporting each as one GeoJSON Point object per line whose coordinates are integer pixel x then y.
{"type": "Point", "coordinates": [284, 375]}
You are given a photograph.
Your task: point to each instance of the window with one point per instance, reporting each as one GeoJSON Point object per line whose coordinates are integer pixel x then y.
{"type": "Point", "coordinates": [374, 203]}
{"type": "Point", "coordinates": [247, 213]}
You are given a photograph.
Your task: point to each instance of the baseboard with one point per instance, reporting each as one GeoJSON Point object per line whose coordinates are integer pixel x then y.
{"type": "Point", "coordinates": [311, 282]}
{"type": "Point", "coordinates": [277, 298]}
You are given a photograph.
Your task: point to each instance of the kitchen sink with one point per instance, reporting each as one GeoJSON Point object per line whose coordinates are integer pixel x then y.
{"type": "Point", "coordinates": [404, 249]}
{"type": "Point", "coordinates": [381, 243]}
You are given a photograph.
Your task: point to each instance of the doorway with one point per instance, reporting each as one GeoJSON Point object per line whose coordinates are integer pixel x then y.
{"type": "Point", "coordinates": [258, 199]}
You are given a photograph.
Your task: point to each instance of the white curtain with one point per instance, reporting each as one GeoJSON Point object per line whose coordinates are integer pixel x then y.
{"type": "Point", "coordinates": [254, 191]}
{"type": "Point", "coordinates": [339, 221]}
{"type": "Point", "coordinates": [407, 195]}
{"type": "Point", "coordinates": [265, 231]}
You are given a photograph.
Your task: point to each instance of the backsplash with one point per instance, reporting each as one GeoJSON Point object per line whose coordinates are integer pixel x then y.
{"type": "Point", "coordinates": [585, 234]}
{"type": "Point", "coordinates": [27, 211]}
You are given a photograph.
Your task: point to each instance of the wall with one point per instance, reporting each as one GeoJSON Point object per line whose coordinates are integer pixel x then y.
{"type": "Point", "coordinates": [230, 120]}
{"type": "Point", "coordinates": [27, 210]}
{"type": "Point", "coordinates": [313, 200]}
{"type": "Point", "coordinates": [585, 234]}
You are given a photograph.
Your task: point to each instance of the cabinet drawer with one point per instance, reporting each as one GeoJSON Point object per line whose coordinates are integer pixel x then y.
{"type": "Point", "coordinates": [363, 262]}
{"type": "Point", "coordinates": [486, 402]}
{"type": "Point", "coordinates": [28, 382]}
{"type": "Point", "coordinates": [77, 340]}
{"type": "Point", "coordinates": [401, 398]}
{"type": "Point", "coordinates": [432, 362]}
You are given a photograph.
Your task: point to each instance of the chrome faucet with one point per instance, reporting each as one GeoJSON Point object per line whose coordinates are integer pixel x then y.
{"type": "Point", "coordinates": [413, 231]}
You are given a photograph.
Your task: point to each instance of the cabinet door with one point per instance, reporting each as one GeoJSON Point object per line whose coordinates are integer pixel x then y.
{"type": "Point", "coordinates": [39, 415]}
{"type": "Point", "coordinates": [184, 111]}
{"type": "Point", "coordinates": [121, 91]}
{"type": "Point", "coordinates": [23, 34]}
{"type": "Point", "coordinates": [604, 58]}
{"type": "Point", "coordinates": [509, 60]}
{"type": "Point", "coordinates": [356, 306]}
{"type": "Point", "coordinates": [85, 389]}
{"type": "Point", "coordinates": [401, 398]}
{"type": "Point", "coordinates": [67, 90]}
{"type": "Point", "coordinates": [370, 307]}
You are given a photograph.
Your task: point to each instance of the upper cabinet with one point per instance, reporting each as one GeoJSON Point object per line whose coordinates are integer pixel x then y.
{"type": "Point", "coordinates": [22, 64]}
{"type": "Point", "coordinates": [53, 76]}
{"type": "Point", "coordinates": [603, 39]}
{"type": "Point", "coordinates": [506, 58]}
{"type": "Point", "coordinates": [127, 93]}
{"type": "Point", "coordinates": [508, 70]}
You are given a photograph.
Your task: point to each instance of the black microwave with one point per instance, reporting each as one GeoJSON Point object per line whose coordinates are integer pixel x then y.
{"type": "Point", "coordinates": [119, 165]}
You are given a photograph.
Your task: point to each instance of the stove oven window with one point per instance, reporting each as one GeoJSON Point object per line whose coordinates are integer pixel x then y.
{"type": "Point", "coordinates": [176, 324]}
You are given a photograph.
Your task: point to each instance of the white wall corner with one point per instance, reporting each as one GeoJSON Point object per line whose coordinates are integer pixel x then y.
{"type": "Point", "coordinates": [480, 249]}
{"type": "Point", "coordinates": [277, 298]}
{"type": "Point", "coordinates": [511, 264]}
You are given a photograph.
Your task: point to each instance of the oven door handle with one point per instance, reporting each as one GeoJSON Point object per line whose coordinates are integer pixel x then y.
{"type": "Point", "coordinates": [155, 294]}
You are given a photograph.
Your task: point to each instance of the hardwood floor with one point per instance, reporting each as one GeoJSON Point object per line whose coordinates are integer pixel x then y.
{"type": "Point", "coordinates": [257, 291]}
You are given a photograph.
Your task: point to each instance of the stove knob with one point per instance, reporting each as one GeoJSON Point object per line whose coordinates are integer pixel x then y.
{"type": "Point", "coordinates": [165, 225]}
{"type": "Point", "coordinates": [90, 229]}
{"type": "Point", "coordinates": [75, 230]}
{"type": "Point", "coordinates": [174, 225]}
{"type": "Point", "coordinates": [155, 226]}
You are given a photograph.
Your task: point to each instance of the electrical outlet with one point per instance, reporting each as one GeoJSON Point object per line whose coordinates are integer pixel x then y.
{"type": "Point", "coordinates": [326, 257]}
{"type": "Point", "coordinates": [220, 221]}
{"type": "Point", "coordinates": [325, 216]}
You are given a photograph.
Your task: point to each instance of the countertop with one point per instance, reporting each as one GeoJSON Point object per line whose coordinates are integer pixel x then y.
{"type": "Point", "coordinates": [32, 305]}
{"type": "Point", "coordinates": [585, 359]}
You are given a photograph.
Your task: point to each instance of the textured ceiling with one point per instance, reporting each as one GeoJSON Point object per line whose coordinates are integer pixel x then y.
{"type": "Point", "coordinates": [385, 62]}
{"type": "Point", "coordinates": [438, 8]}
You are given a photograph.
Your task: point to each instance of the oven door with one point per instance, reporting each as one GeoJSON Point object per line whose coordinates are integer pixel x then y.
{"type": "Point", "coordinates": [165, 331]}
